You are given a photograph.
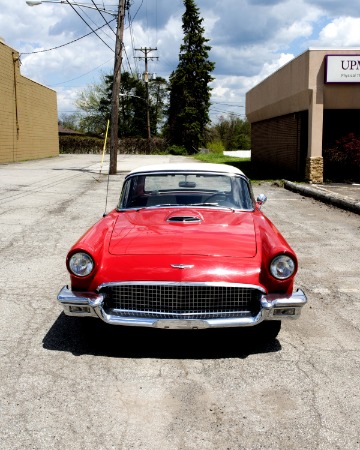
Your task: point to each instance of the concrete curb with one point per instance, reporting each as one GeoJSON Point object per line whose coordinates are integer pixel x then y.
{"type": "Point", "coordinates": [330, 198]}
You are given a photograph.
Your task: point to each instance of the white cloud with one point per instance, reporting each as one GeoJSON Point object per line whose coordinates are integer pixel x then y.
{"type": "Point", "coordinates": [66, 98]}
{"type": "Point", "coordinates": [342, 32]}
{"type": "Point", "coordinates": [228, 94]}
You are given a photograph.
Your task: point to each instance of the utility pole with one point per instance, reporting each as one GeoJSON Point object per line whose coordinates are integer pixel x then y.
{"type": "Point", "coordinates": [114, 122]}
{"type": "Point", "coordinates": [146, 51]}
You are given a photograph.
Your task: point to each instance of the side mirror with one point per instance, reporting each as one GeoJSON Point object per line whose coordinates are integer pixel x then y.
{"type": "Point", "coordinates": [261, 199]}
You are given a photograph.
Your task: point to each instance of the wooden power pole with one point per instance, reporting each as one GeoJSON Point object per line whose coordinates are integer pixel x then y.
{"type": "Point", "coordinates": [146, 51]}
{"type": "Point", "coordinates": [114, 121]}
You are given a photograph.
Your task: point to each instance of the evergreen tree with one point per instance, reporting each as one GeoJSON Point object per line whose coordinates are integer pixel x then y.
{"type": "Point", "coordinates": [188, 112]}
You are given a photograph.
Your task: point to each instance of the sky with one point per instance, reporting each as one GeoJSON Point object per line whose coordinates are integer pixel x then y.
{"type": "Point", "coordinates": [249, 39]}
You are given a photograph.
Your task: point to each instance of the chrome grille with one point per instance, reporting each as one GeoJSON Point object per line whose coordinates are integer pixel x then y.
{"type": "Point", "coordinates": [190, 301]}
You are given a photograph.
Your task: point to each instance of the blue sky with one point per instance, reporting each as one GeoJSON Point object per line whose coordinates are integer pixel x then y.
{"type": "Point", "coordinates": [250, 39]}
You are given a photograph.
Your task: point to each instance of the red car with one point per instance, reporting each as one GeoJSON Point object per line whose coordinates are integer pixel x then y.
{"type": "Point", "coordinates": [186, 248]}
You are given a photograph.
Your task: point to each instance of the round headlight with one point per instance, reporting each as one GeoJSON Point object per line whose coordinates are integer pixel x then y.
{"type": "Point", "coordinates": [282, 267]}
{"type": "Point", "coordinates": [81, 264]}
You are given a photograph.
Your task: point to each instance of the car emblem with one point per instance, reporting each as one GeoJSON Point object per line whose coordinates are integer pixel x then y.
{"type": "Point", "coordinates": [182, 266]}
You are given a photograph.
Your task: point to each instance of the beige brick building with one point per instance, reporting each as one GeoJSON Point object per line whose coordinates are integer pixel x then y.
{"type": "Point", "coordinates": [28, 113]}
{"type": "Point", "coordinates": [310, 102]}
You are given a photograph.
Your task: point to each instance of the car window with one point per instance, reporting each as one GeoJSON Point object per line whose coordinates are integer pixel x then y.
{"type": "Point", "coordinates": [186, 189]}
{"type": "Point", "coordinates": [186, 183]}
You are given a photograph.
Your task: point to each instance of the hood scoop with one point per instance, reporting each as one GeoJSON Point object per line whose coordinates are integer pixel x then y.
{"type": "Point", "coordinates": [184, 219]}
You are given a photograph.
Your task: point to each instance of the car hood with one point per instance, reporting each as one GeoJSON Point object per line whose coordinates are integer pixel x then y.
{"type": "Point", "coordinates": [165, 231]}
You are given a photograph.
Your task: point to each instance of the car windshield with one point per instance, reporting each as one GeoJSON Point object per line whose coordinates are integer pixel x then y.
{"type": "Point", "coordinates": [186, 189]}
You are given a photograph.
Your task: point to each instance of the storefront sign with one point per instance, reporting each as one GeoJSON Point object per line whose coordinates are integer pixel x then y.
{"type": "Point", "coordinates": [342, 69]}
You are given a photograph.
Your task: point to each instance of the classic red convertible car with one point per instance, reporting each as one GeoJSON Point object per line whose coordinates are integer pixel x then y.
{"type": "Point", "coordinates": [187, 248]}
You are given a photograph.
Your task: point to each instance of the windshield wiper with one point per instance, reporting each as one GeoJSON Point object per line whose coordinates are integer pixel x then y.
{"type": "Point", "coordinates": [204, 204]}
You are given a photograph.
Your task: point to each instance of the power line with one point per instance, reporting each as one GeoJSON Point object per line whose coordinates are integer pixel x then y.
{"type": "Point", "coordinates": [83, 75]}
{"type": "Point", "coordinates": [91, 20]}
{"type": "Point", "coordinates": [141, 4]}
{"type": "Point", "coordinates": [156, 21]}
{"type": "Point", "coordinates": [132, 39]}
{"type": "Point", "coordinates": [102, 40]}
{"type": "Point", "coordinates": [221, 111]}
{"type": "Point", "coordinates": [64, 45]}
{"type": "Point", "coordinates": [102, 15]}
{"type": "Point", "coordinates": [234, 105]}
{"type": "Point", "coordinates": [127, 59]}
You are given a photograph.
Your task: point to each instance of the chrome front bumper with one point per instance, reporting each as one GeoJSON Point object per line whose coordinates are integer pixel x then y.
{"type": "Point", "coordinates": [273, 307]}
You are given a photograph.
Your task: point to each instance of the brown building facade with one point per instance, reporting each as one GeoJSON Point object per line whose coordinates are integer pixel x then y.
{"type": "Point", "coordinates": [28, 113]}
{"type": "Point", "coordinates": [294, 113]}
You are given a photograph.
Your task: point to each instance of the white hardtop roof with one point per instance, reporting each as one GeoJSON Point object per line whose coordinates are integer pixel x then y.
{"type": "Point", "coordinates": [179, 167]}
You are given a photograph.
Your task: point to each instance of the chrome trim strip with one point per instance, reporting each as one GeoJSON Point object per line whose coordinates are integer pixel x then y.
{"type": "Point", "coordinates": [182, 266]}
{"type": "Point", "coordinates": [181, 283]}
{"type": "Point", "coordinates": [140, 208]}
{"type": "Point", "coordinates": [180, 324]}
{"type": "Point", "coordinates": [269, 304]}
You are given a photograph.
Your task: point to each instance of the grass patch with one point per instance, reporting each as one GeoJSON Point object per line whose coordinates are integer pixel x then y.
{"type": "Point", "coordinates": [215, 147]}
{"type": "Point", "coordinates": [219, 158]}
{"type": "Point", "coordinates": [244, 164]}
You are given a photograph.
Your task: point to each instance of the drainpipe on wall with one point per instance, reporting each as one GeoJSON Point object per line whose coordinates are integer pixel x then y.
{"type": "Point", "coordinates": [15, 61]}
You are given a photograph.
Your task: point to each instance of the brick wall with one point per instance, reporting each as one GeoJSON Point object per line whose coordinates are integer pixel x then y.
{"type": "Point", "coordinates": [279, 145]}
{"type": "Point", "coordinates": [28, 114]}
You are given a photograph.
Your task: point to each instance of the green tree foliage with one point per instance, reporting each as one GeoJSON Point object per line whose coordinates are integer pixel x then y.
{"type": "Point", "coordinates": [95, 104]}
{"type": "Point", "coordinates": [233, 132]}
{"type": "Point", "coordinates": [188, 112]}
{"type": "Point", "coordinates": [92, 119]}
{"type": "Point", "coordinates": [159, 99]}
{"type": "Point", "coordinates": [133, 106]}
{"type": "Point", "coordinates": [132, 113]}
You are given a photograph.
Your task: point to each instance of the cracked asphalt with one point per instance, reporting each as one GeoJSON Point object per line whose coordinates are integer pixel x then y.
{"type": "Point", "coordinates": [69, 383]}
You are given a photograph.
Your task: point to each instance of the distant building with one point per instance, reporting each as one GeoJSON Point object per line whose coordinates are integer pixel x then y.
{"type": "Point", "coordinates": [28, 113]}
{"type": "Point", "coordinates": [312, 100]}
{"type": "Point", "coordinates": [69, 132]}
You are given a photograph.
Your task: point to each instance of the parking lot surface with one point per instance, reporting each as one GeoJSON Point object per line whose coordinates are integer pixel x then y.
{"type": "Point", "coordinates": [69, 383]}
